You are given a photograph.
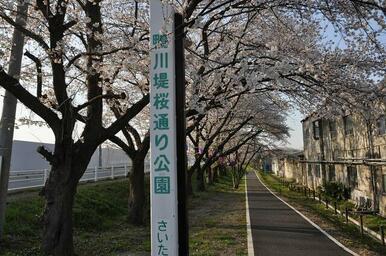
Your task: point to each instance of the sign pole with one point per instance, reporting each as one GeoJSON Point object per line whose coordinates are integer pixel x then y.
{"type": "Point", "coordinates": [183, 224]}
{"type": "Point", "coordinates": [163, 132]}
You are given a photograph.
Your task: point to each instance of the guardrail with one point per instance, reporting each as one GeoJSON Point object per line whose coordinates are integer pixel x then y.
{"type": "Point", "coordinates": [26, 179]}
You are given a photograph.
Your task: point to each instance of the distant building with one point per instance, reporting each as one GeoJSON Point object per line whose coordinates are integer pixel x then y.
{"type": "Point", "coordinates": [25, 157]}
{"type": "Point", "coordinates": [285, 163]}
{"type": "Point", "coordinates": [267, 165]}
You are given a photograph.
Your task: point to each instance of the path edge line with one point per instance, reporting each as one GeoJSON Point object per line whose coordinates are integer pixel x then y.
{"type": "Point", "coordinates": [308, 220]}
{"type": "Point", "coordinates": [251, 251]}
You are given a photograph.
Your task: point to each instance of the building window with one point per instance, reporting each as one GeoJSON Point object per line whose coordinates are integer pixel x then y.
{"type": "Point", "coordinates": [352, 176]}
{"type": "Point", "coordinates": [381, 125]}
{"type": "Point", "coordinates": [316, 129]}
{"type": "Point", "coordinates": [331, 173]}
{"type": "Point", "coordinates": [336, 154]}
{"type": "Point", "coordinates": [384, 183]}
{"type": "Point", "coordinates": [332, 127]}
{"type": "Point", "coordinates": [351, 153]}
{"type": "Point", "coordinates": [377, 153]}
{"type": "Point", "coordinates": [317, 171]}
{"type": "Point", "coordinates": [348, 125]}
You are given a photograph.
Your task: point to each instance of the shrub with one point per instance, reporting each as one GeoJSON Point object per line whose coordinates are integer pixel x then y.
{"type": "Point", "coordinates": [336, 191]}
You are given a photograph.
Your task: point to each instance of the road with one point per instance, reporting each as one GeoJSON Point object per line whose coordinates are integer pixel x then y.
{"type": "Point", "coordinates": [279, 230]}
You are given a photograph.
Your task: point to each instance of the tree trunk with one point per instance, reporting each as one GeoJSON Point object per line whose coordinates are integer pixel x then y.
{"type": "Point", "coordinates": [236, 180]}
{"type": "Point", "coordinates": [210, 175]}
{"type": "Point", "coordinates": [200, 179]}
{"type": "Point", "coordinates": [215, 174]}
{"type": "Point", "coordinates": [233, 173]}
{"type": "Point", "coordinates": [137, 192]}
{"type": "Point", "coordinates": [57, 219]}
{"type": "Point", "coordinates": [69, 163]}
{"type": "Point", "coordinates": [222, 170]}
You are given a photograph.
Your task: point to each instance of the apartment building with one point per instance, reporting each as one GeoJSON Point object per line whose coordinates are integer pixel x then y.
{"type": "Point", "coordinates": [350, 150]}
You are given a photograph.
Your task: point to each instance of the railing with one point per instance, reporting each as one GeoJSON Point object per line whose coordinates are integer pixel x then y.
{"type": "Point", "coordinates": [26, 179]}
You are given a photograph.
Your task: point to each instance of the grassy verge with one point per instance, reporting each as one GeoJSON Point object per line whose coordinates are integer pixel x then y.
{"type": "Point", "coordinates": [349, 233]}
{"type": "Point", "coordinates": [371, 221]}
{"type": "Point", "coordinates": [217, 222]}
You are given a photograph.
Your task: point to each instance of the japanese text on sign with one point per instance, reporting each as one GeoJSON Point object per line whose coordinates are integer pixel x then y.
{"type": "Point", "coordinates": [163, 171]}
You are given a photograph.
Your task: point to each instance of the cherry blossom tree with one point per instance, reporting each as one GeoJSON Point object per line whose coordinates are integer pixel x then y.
{"type": "Point", "coordinates": [71, 37]}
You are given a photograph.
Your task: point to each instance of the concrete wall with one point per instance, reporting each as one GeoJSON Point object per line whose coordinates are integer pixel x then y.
{"type": "Point", "coordinates": [275, 166]}
{"type": "Point", "coordinates": [293, 169]}
{"type": "Point", "coordinates": [288, 166]}
{"type": "Point", "coordinates": [25, 157]}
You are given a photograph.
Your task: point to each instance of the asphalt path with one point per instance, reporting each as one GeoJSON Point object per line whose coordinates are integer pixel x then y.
{"type": "Point", "coordinates": [279, 230]}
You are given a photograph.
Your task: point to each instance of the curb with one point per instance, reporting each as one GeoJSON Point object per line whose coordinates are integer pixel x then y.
{"type": "Point", "coordinates": [251, 251]}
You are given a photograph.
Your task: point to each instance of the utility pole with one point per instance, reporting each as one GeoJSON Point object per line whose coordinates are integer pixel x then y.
{"type": "Point", "coordinates": [100, 162]}
{"type": "Point", "coordinates": [9, 109]}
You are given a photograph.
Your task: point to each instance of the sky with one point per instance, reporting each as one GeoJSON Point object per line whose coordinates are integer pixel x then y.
{"type": "Point", "coordinates": [28, 132]}
{"type": "Point", "coordinates": [296, 134]}
{"type": "Point", "coordinates": [34, 133]}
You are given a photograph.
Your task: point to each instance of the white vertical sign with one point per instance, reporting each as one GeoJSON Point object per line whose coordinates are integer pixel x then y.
{"type": "Point", "coordinates": [163, 161]}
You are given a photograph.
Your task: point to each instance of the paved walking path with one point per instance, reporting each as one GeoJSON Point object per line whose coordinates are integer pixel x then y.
{"type": "Point", "coordinates": [279, 230]}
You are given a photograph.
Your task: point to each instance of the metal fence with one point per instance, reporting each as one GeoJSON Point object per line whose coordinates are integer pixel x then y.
{"type": "Point", "coordinates": [20, 180]}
